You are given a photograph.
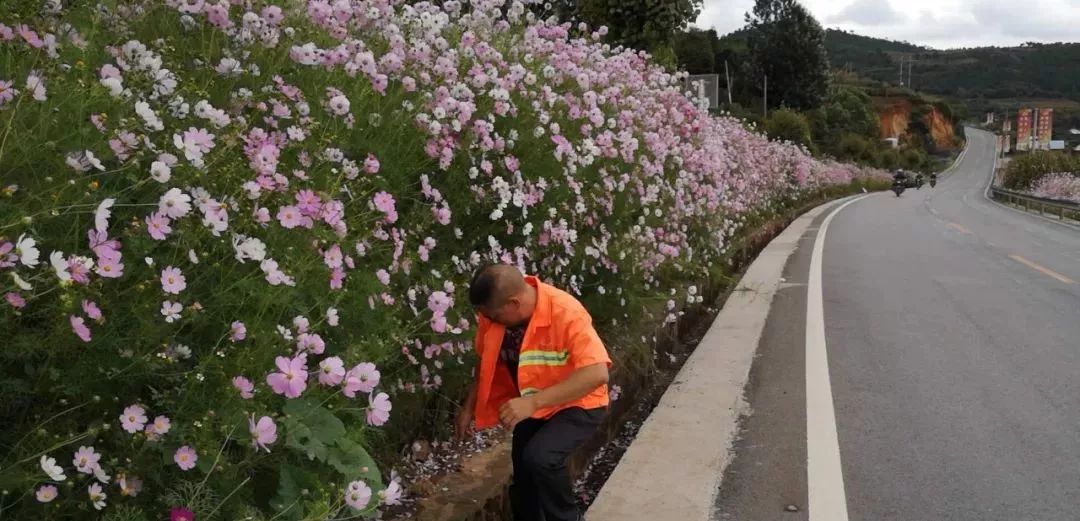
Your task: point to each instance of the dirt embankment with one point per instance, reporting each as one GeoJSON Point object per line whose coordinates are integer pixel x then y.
{"type": "Point", "coordinates": [895, 119]}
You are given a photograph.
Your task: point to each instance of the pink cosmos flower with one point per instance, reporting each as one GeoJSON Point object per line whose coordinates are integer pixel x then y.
{"type": "Point", "coordinates": [246, 388]}
{"type": "Point", "coordinates": [181, 514]}
{"type": "Point", "coordinates": [185, 458]}
{"type": "Point", "coordinates": [238, 331]}
{"type": "Point", "coordinates": [439, 302]}
{"type": "Point", "coordinates": [333, 257]}
{"type": "Point", "coordinates": [30, 36]}
{"type": "Point", "coordinates": [383, 276]}
{"type": "Point", "coordinates": [7, 92]}
{"type": "Point", "coordinates": [358, 495]}
{"type": "Point", "coordinates": [15, 300]}
{"type": "Point", "coordinates": [133, 419]}
{"type": "Point", "coordinates": [384, 202]}
{"type": "Point", "coordinates": [289, 217]}
{"type": "Point", "coordinates": [272, 14]}
{"type": "Point", "coordinates": [130, 485]}
{"type": "Point", "coordinates": [159, 428]}
{"type": "Point", "coordinates": [392, 494]}
{"type": "Point", "coordinates": [91, 309]}
{"type": "Point", "coordinates": [311, 343]}
{"type": "Point", "coordinates": [86, 460]}
{"type": "Point", "coordinates": [337, 278]}
{"type": "Point", "coordinates": [371, 164]}
{"type": "Point", "coordinates": [110, 268]}
{"type": "Point", "coordinates": [379, 411]}
{"type": "Point", "coordinates": [79, 267]}
{"type": "Point", "coordinates": [363, 378]}
{"type": "Point", "coordinates": [78, 325]}
{"type": "Point", "coordinates": [7, 258]}
{"type": "Point", "coordinates": [292, 380]}
{"type": "Point", "coordinates": [171, 311]}
{"type": "Point", "coordinates": [172, 280]}
{"type": "Point", "coordinates": [46, 493]}
{"type": "Point", "coordinates": [158, 226]}
{"type": "Point", "coordinates": [263, 432]}
{"type": "Point", "coordinates": [331, 371]}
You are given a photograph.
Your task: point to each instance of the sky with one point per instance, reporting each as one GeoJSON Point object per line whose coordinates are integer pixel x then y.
{"type": "Point", "coordinates": [941, 24]}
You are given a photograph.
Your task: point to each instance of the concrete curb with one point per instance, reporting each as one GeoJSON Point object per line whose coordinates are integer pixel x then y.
{"type": "Point", "coordinates": [673, 468]}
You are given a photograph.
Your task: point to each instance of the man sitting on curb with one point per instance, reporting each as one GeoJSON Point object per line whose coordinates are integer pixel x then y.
{"type": "Point", "coordinates": [543, 373]}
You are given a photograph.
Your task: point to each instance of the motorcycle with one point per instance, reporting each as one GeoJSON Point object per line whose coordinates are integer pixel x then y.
{"type": "Point", "coordinates": [898, 186]}
{"type": "Point", "coordinates": [933, 181]}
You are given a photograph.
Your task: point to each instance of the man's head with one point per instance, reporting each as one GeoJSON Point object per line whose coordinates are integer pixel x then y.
{"type": "Point", "coordinates": [500, 293]}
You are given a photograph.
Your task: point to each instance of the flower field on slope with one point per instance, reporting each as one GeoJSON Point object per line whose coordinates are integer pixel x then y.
{"type": "Point", "coordinates": [235, 236]}
{"type": "Point", "coordinates": [1061, 186]}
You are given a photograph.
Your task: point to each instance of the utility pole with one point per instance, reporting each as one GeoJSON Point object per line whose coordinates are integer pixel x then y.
{"type": "Point", "coordinates": [727, 75]}
{"type": "Point", "coordinates": [901, 70]}
{"type": "Point", "coordinates": [911, 65]}
{"type": "Point", "coordinates": [765, 106]}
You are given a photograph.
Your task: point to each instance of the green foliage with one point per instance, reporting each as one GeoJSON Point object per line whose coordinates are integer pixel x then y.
{"type": "Point", "coordinates": [847, 111]}
{"type": "Point", "coordinates": [641, 24]}
{"type": "Point", "coordinates": [1025, 170]}
{"type": "Point", "coordinates": [787, 125]}
{"type": "Point", "coordinates": [787, 45]}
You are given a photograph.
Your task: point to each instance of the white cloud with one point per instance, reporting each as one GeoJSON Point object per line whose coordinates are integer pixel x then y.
{"type": "Point", "coordinates": [941, 24]}
{"type": "Point", "coordinates": [868, 12]}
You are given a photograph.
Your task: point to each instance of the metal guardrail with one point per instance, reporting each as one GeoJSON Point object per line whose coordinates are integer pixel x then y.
{"type": "Point", "coordinates": [1063, 210]}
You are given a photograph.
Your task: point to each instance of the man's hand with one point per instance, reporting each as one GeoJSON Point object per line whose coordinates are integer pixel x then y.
{"type": "Point", "coordinates": [517, 410]}
{"type": "Point", "coordinates": [463, 424]}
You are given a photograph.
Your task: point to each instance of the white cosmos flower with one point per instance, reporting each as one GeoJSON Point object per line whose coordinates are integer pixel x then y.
{"type": "Point", "coordinates": [22, 284]}
{"type": "Point", "coordinates": [153, 122]}
{"type": "Point", "coordinates": [94, 161]}
{"type": "Point", "coordinates": [27, 250]}
{"type": "Point", "coordinates": [97, 496]}
{"type": "Point", "coordinates": [60, 265]}
{"type": "Point", "coordinates": [175, 204]}
{"type": "Point", "coordinates": [160, 172]}
{"type": "Point", "coordinates": [115, 86]}
{"type": "Point", "coordinates": [100, 474]}
{"type": "Point", "coordinates": [54, 471]}
{"type": "Point", "coordinates": [102, 215]}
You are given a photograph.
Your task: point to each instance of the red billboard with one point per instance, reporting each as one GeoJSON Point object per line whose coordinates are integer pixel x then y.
{"type": "Point", "coordinates": [1045, 129]}
{"type": "Point", "coordinates": [1023, 129]}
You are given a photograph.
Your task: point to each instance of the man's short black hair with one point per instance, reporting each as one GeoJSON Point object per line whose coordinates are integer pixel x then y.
{"type": "Point", "coordinates": [492, 284]}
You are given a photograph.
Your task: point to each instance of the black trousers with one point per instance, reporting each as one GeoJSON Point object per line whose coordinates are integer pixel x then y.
{"type": "Point", "coordinates": [541, 490]}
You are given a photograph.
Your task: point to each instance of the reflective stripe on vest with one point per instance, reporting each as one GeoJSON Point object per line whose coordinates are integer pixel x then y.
{"type": "Point", "coordinates": [548, 358]}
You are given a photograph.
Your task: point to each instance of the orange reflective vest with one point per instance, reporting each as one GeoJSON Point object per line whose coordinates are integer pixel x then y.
{"type": "Point", "coordinates": [559, 340]}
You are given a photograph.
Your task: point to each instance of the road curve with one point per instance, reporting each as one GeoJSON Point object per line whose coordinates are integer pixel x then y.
{"type": "Point", "coordinates": [953, 348]}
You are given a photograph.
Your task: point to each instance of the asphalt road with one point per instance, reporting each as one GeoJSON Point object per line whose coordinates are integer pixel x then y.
{"type": "Point", "coordinates": [953, 344]}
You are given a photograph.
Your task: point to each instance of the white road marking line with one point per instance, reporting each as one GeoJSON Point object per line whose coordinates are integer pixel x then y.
{"type": "Point", "coordinates": [825, 477]}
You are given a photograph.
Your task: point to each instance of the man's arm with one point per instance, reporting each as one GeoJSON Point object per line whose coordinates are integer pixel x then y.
{"type": "Point", "coordinates": [580, 383]}
{"type": "Point", "coordinates": [463, 423]}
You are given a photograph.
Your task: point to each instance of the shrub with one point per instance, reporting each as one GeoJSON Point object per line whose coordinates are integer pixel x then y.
{"type": "Point", "coordinates": [231, 238]}
{"type": "Point", "coordinates": [787, 125]}
{"type": "Point", "coordinates": [1024, 171]}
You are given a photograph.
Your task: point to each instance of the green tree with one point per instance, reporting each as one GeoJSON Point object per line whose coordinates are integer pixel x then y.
{"type": "Point", "coordinates": [847, 111]}
{"type": "Point", "coordinates": [787, 45]}
{"type": "Point", "coordinates": [642, 24]}
{"type": "Point", "coordinates": [696, 51]}
{"type": "Point", "coordinates": [787, 125]}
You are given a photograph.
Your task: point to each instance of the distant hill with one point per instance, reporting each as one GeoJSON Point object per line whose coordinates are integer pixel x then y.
{"type": "Point", "coordinates": [1048, 71]}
